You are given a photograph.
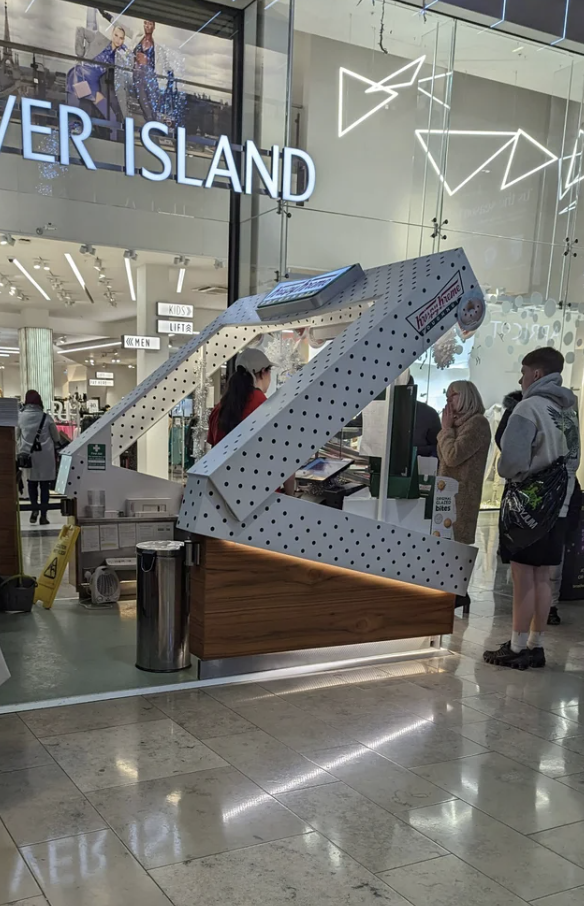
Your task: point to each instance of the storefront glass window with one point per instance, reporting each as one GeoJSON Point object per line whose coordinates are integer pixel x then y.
{"type": "Point", "coordinates": [431, 134]}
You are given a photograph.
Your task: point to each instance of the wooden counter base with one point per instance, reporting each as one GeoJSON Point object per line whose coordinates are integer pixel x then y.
{"type": "Point", "coordinates": [247, 601]}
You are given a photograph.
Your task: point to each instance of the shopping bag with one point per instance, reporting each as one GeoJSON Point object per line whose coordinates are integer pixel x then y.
{"type": "Point", "coordinates": [52, 572]}
{"type": "Point", "coordinates": [4, 671]}
{"type": "Point", "coordinates": [530, 508]}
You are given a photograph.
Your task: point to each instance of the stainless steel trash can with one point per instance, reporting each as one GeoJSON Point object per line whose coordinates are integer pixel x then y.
{"type": "Point", "coordinates": [163, 607]}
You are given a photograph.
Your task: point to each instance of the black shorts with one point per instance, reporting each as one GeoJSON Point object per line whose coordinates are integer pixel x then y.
{"type": "Point", "coordinates": [549, 551]}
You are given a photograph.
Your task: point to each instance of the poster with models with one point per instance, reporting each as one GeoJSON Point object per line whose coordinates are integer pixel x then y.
{"type": "Point", "coordinates": [116, 66]}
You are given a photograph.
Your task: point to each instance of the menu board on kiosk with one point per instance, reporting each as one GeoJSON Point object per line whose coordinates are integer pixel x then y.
{"type": "Point", "coordinates": [293, 297]}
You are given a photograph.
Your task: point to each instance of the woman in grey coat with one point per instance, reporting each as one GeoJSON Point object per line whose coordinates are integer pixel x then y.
{"type": "Point", "coordinates": [44, 466]}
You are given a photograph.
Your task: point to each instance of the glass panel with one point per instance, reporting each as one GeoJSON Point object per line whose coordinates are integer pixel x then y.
{"type": "Point", "coordinates": [372, 171]}
{"type": "Point", "coordinates": [266, 120]}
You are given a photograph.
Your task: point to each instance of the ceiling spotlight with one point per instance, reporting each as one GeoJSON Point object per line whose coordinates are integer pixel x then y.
{"type": "Point", "coordinates": [46, 266]}
{"type": "Point", "coordinates": [181, 261]}
{"type": "Point", "coordinates": [2, 280]}
{"type": "Point", "coordinates": [6, 239]}
{"type": "Point", "coordinates": [87, 249]}
{"type": "Point", "coordinates": [130, 255]}
{"type": "Point", "coordinates": [98, 264]}
{"type": "Point", "coordinates": [37, 264]}
{"type": "Point", "coordinates": [101, 276]}
{"type": "Point", "coordinates": [12, 290]}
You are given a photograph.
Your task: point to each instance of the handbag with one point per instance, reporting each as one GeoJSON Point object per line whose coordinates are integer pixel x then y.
{"type": "Point", "coordinates": [530, 508]}
{"type": "Point", "coordinates": [24, 459]}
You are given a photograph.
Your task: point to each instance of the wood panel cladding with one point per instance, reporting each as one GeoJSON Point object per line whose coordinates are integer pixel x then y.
{"type": "Point", "coordinates": [8, 504]}
{"type": "Point", "coordinates": [247, 601]}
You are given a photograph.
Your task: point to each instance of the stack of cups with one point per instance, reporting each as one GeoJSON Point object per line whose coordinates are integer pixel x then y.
{"type": "Point", "coordinates": [96, 505]}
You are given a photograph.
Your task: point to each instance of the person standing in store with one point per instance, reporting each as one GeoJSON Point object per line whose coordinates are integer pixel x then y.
{"type": "Point", "coordinates": [426, 428]}
{"type": "Point", "coordinates": [463, 448]}
{"type": "Point", "coordinates": [542, 431]}
{"type": "Point", "coordinates": [246, 391]}
{"type": "Point", "coordinates": [37, 436]}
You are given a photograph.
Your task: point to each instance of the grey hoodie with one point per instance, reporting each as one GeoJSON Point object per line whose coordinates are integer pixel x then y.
{"type": "Point", "coordinates": [542, 428]}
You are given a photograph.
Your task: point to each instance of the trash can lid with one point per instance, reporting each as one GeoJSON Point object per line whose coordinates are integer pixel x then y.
{"type": "Point", "coordinates": [160, 547]}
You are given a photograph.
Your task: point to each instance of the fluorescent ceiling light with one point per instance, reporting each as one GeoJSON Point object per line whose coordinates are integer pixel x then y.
{"type": "Point", "coordinates": [4, 355]}
{"type": "Point", "coordinates": [64, 350]}
{"type": "Point", "coordinates": [31, 279]}
{"type": "Point", "coordinates": [128, 264]}
{"type": "Point", "coordinates": [9, 349]}
{"type": "Point", "coordinates": [181, 279]}
{"type": "Point", "coordinates": [75, 269]}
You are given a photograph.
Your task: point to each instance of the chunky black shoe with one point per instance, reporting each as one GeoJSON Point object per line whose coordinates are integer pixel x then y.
{"type": "Point", "coordinates": [554, 618]}
{"type": "Point", "coordinates": [536, 657]}
{"type": "Point", "coordinates": [44, 521]}
{"type": "Point", "coordinates": [34, 517]}
{"type": "Point", "coordinates": [506, 657]}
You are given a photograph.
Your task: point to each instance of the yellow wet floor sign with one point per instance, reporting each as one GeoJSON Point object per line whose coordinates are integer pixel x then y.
{"type": "Point", "coordinates": [52, 573]}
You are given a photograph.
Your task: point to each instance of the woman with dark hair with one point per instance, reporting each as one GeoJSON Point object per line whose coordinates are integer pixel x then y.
{"type": "Point", "coordinates": [245, 392]}
{"type": "Point", "coordinates": [37, 436]}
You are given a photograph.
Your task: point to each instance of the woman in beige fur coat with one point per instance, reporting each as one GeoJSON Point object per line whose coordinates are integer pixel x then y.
{"type": "Point", "coordinates": [463, 448]}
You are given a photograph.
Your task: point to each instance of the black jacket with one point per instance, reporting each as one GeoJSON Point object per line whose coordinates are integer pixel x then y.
{"type": "Point", "coordinates": [426, 429]}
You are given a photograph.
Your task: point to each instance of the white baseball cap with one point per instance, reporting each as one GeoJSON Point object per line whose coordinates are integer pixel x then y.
{"type": "Point", "coordinates": [253, 360]}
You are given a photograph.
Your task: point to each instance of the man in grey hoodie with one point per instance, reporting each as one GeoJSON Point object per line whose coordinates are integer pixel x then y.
{"type": "Point", "coordinates": [542, 428]}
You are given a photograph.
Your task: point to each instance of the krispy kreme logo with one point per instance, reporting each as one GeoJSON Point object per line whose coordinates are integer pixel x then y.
{"type": "Point", "coordinates": [432, 312]}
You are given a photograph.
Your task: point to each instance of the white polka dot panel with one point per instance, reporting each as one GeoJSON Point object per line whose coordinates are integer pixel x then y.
{"type": "Point", "coordinates": [284, 433]}
{"type": "Point", "coordinates": [295, 527]}
{"type": "Point", "coordinates": [393, 315]}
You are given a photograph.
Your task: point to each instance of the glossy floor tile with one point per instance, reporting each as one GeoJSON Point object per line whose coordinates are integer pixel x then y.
{"type": "Point", "coordinates": [200, 714]}
{"type": "Point", "coordinates": [448, 881]}
{"type": "Point", "coordinates": [393, 787]}
{"type": "Point", "coordinates": [508, 791]}
{"type": "Point", "coordinates": [16, 881]}
{"type": "Point", "coordinates": [92, 870]}
{"type": "Point", "coordinates": [438, 782]}
{"type": "Point", "coordinates": [19, 748]}
{"type": "Point", "coordinates": [272, 765]}
{"type": "Point", "coordinates": [515, 861]}
{"type": "Point", "coordinates": [126, 755]}
{"type": "Point", "coordinates": [356, 825]}
{"type": "Point", "coordinates": [549, 758]}
{"type": "Point", "coordinates": [570, 898]}
{"type": "Point", "coordinates": [38, 804]}
{"type": "Point", "coordinates": [194, 815]}
{"type": "Point", "coordinates": [306, 870]}
{"type": "Point", "coordinates": [567, 841]}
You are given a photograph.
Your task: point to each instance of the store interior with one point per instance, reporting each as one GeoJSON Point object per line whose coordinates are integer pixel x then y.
{"type": "Point", "coordinates": [459, 155]}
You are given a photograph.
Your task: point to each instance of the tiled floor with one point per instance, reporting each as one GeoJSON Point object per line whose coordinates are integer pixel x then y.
{"type": "Point", "coordinates": [436, 783]}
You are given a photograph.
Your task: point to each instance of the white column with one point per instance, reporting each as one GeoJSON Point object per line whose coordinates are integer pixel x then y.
{"type": "Point", "coordinates": [152, 286]}
{"type": "Point", "coordinates": [36, 356]}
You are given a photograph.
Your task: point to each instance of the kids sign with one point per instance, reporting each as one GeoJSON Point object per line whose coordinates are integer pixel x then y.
{"type": "Point", "coordinates": [75, 128]}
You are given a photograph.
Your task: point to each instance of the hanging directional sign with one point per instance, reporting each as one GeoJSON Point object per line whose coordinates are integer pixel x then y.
{"type": "Point", "coordinates": [174, 310]}
{"type": "Point", "coordinates": [139, 342]}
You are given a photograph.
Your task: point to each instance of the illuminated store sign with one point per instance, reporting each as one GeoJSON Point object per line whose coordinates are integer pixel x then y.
{"type": "Point", "coordinates": [139, 342]}
{"type": "Point", "coordinates": [174, 310]}
{"type": "Point", "coordinates": [108, 375]}
{"type": "Point", "coordinates": [75, 129]}
{"type": "Point", "coordinates": [176, 327]}
{"type": "Point", "coordinates": [95, 382]}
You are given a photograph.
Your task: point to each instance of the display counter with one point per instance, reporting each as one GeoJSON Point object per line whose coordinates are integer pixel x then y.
{"type": "Point", "coordinates": [247, 603]}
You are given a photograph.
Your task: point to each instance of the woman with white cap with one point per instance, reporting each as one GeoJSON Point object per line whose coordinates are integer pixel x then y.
{"type": "Point", "coordinates": [245, 392]}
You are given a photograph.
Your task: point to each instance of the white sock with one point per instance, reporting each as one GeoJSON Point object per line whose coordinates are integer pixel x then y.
{"type": "Point", "coordinates": [518, 641]}
{"type": "Point", "coordinates": [535, 640]}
